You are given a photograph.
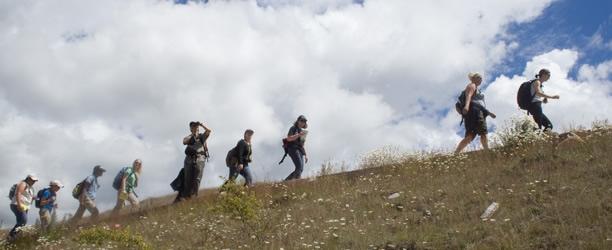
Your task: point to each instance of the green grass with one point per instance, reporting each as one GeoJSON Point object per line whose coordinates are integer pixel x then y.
{"type": "Point", "coordinates": [549, 199]}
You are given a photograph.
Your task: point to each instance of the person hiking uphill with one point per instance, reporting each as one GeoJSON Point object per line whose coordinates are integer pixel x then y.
{"type": "Point", "coordinates": [21, 200]}
{"type": "Point", "coordinates": [125, 182]}
{"type": "Point", "coordinates": [295, 146]}
{"type": "Point", "coordinates": [474, 113]}
{"type": "Point", "coordinates": [239, 158]}
{"type": "Point", "coordinates": [539, 97]}
{"type": "Point", "coordinates": [47, 203]}
{"type": "Point", "coordinates": [196, 153]}
{"type": "Point", "coordinates": [87, 195]}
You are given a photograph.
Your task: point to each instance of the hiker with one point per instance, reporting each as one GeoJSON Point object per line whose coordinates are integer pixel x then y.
{"type": "Point", "coordinates": [87, 195]}
{"type": "Point", "coordinates": [295, 146]}
{"type": "Point", "coordinates": [47, 198]}
{"type": "Point", "coordinates": [238, 159]}
{"type": "Point", "coordinates": [22, 196]}
{"type": "Point", "coordinates": [474, 113]}
{"type": "Point", "coordinates": [125, 182]}
{"type": "Point", "coordinates": [196, 154]}
{"type": "Point", "coordinates": [539, 97]}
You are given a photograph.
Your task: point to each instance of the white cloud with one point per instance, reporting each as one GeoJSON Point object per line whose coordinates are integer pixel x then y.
{"type": "Point", "coordinates": [104, 82]}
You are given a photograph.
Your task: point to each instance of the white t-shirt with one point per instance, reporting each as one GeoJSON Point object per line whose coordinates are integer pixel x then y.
{"type": "Point", "coordinates": [27, 197]}
{"type": "Point", "coordinates": [536, 98]}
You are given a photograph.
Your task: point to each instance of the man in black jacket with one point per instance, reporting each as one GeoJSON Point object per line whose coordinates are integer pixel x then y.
{"type": "Point", "coordinates": [239, 158]}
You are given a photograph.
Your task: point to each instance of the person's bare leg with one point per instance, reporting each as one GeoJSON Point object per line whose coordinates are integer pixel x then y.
{"type": "Point", "coordinates": [484, 142]}
{"type": "Point", "coordinates": [469, 138]}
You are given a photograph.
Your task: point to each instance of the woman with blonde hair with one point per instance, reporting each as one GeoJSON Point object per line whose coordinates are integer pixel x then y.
{"type": "Point", "coordinates": [474, 113]}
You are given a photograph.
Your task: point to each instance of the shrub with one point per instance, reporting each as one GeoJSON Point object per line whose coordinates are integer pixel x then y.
{"type": "Point", "coordinates": [387, 155]}
{"type": "Point", "coordinates": [328, 168]}
{"type": "Point", "coordinates": [236, 201]}
{"type": "Point", "coordinates": [99, 236]}
{"type": "Point", "coordinates": [518, 131]}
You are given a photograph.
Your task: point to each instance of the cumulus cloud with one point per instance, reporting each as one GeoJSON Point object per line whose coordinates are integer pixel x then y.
{"type": "Point", "coordinates": [104, 82]}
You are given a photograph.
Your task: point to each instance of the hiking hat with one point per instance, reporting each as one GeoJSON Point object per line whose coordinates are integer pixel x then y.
{"type": "Point", "coordinates": [56, 183]}
{"type": "Point", "coordinates": [302, 118]}
{"type": "Point", "coordinates": [32, 177]}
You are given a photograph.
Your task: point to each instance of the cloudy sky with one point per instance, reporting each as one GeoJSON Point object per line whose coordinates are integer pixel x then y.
{"type": "Point", "coordinates": [86, 82]}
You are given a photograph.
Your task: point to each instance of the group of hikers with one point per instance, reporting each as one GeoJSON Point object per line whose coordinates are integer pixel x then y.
{"type": "Point", "coordinates": [187, 183]}
{"type": "Point", "coordinates": [23, 196]}
{"type": "Point", "coordinates": [471, 106]}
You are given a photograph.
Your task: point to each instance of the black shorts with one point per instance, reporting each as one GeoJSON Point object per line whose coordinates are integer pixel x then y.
{"type": "Point", "coordinates": [475, 122]}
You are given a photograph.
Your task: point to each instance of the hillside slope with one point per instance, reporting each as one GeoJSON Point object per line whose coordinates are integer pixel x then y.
{"type": "Point", "coordinates": [549, 198]}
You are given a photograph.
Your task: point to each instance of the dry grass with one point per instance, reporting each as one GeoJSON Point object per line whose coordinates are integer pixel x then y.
{"type": "Point", "coordinates": [548, 200]}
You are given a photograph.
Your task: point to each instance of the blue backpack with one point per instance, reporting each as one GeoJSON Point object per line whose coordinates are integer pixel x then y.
{"type": "Point", "coordinates": [119, 177]}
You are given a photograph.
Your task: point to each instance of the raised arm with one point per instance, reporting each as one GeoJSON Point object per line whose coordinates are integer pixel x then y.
{"type": "Point", "coordinates": [206, 129]}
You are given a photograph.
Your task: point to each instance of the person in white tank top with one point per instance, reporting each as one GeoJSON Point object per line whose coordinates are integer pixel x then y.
{"type": "Point", "coordinates": [20, 204]}
{"type": "Point", "coordinates": [539, 97]}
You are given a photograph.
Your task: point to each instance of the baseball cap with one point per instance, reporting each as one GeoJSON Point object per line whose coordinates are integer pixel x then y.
{"type": "Point", "coordinates": [32, 177]}
{"type": "Point", "coordinates": [56, 183]}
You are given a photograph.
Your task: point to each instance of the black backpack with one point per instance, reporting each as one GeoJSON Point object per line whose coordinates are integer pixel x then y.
{"type": "Point", "coordinates": [39, 197]}
{"type": "Point", "coordinates": [460, 103]}
{"type": "Point", "coordinates": [524, 96]}
{"type": "Point", "coordinates": [231, 159]}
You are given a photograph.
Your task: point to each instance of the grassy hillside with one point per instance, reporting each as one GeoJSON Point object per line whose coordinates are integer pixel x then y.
{"type": "Point", "coordinates": [549, 199]}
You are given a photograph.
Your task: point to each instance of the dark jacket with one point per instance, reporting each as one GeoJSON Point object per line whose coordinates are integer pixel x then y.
{"type": "Point", "coordinates": [243, 152]}
{"type": "Point", "coordinates": [240, 154]}
{"type": "Point", "coordinates": [177, 184]}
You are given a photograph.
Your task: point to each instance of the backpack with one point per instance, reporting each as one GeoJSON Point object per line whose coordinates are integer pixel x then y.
{"type": "Point", "coordinates": [77, 190]}
{"type": "Point", "coordinates": [524, 96]}
{"type": "Point", "coordinates": [231, 159]}
{"type": "Point", "coordinates": [119, 177]}
{"type": "Point", "coordinates": [39, 197]}
{"type": "Point", "coordinates": [12, 192]}
{"type": "Point", "coordinates": [460, 103]}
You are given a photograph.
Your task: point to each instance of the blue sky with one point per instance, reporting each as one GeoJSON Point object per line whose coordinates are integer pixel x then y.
{"type": "Point", "coordinates": [564, 24]}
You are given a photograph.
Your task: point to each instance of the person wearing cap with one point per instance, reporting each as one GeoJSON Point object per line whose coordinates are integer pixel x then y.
{"type": "Point", "coordinates": [296, 138]}
{"type": "Point", "coordinates": [87, 198]}
{"type": "Point", "coordinates": [196, 153]}
{"type": "Point", "coordinates": [129, 182]}
{"type": "Point", "coordinates": [47, 203]}
{"type": "Point", "coordinates": [21, 202]}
